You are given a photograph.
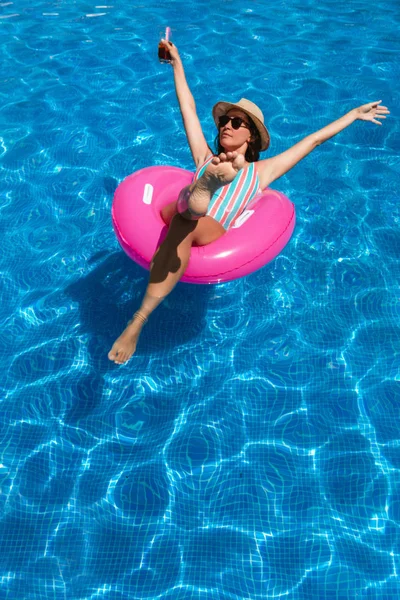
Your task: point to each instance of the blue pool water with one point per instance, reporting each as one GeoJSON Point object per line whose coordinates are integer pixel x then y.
{"type": "Point", "coordinates": [250, 449]}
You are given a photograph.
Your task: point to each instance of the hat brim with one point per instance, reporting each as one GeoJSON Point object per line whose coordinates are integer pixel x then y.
{"type": "Point", "coordinates": [221, 108]}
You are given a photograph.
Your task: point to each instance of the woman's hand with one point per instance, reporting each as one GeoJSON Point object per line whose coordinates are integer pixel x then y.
{"type": "Point", "coordinates": [173, 50]}
{"type": "Point", "coordinates": [371, 112]}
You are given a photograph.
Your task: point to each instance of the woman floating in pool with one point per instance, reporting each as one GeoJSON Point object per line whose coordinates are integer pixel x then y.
{"type": "Point", "coordinates": [223, 185]}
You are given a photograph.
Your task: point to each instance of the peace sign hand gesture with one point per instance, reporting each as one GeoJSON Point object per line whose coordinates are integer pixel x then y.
{"type": "Point", "coordinates": [372, 112]}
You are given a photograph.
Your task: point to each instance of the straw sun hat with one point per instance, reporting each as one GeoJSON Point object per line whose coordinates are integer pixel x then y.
{"type": "Point", "coordinates": [251, 109]}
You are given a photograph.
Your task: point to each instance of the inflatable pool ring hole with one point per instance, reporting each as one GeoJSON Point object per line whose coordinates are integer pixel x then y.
{"type": "Point", "coordinates": [256, 237]}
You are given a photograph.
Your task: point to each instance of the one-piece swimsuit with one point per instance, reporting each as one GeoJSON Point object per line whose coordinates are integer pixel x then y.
{"type": "Point", "coordinates": [229, 201]}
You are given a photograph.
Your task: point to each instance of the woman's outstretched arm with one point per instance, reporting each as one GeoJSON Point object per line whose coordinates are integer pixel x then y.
{"type": "Point", "coordinates": [184, 95]}
{"type": "Point", "coordinates": [271, 169]}
{"type": "Point", "coordinates": [194, 132]}
{"type": "Point", "coordinates": [366, 112]}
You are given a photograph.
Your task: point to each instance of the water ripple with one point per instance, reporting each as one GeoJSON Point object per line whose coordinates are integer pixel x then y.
{"type": "Point", "coordinates": [250, 447]}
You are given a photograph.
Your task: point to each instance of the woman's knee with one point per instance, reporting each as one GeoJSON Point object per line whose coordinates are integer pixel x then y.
{"type": "Point", "coordinates": [168, 212]}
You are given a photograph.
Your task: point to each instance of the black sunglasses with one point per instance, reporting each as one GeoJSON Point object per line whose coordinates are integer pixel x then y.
{"type": "Point", "coordinates": [236, 122]}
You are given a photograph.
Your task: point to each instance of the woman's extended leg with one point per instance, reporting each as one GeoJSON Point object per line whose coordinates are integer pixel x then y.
{"type": "Point", "coordinates": [167, 267]}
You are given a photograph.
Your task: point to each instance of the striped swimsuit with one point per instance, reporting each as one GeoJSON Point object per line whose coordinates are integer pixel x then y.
{"type": "Point", "coordinates": [230, 201]}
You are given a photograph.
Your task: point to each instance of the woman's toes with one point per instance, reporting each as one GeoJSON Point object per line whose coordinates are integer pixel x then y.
{"type": "Point", "coordinates": [238, 162]}
{"type": "Point", "coordinates": [115, 354]}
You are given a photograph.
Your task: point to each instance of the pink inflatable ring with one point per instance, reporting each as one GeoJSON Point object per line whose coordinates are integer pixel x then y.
{"type": "Point", "coordinates": [256, 237]}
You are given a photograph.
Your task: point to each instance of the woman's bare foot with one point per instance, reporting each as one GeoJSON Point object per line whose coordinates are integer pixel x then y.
{"type": "Point", "coordinates": [225, 167]}
{"type": "Point", "coordinates": [124, 346]}
{"type": "Point", "coordinates": [221, 171]}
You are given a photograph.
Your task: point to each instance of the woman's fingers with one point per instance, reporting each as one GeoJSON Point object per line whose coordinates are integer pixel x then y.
{"type": "Point", "coordinates": [173, 50]}
{"type": "Point", "coordinates": [370, 105]}
{"type": "Point", "coordinates": [375, 105]}
{"type": "Point", "coordinates": [372, 111]}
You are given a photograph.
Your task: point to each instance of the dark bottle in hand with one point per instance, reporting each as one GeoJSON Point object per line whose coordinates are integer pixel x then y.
{"type": "Point", "coordinates": [163, 52]}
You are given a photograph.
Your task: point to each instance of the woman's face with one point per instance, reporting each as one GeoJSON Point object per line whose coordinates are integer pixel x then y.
{"type": "Point", "coordinates": [232, 139]}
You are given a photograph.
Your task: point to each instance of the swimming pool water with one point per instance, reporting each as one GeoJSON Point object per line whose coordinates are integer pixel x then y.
{"type": "Point", "coordinates": [250, 448]}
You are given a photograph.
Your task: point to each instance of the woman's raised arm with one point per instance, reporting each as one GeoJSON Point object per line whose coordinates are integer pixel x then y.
{"type": "Point", "coordinates": [273, 168]}
{"type": "Point", "coordinates": [197, 142]}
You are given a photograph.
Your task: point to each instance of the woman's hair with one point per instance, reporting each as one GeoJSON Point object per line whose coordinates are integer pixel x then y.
{"type": "Point", "coordinates": [253, 149]}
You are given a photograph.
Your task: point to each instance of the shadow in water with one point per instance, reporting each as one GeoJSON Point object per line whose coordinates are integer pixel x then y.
{"type": "Point", "coordinates": [111, 293]}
